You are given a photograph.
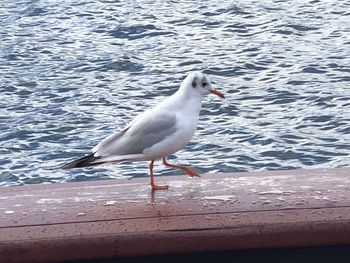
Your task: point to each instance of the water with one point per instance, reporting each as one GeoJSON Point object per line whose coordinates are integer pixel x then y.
{"type": "Point", "coordinates": [71, 72]}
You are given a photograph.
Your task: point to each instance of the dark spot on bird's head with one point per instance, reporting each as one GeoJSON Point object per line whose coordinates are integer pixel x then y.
{"type": "Point", "coordinates": [194, 82]}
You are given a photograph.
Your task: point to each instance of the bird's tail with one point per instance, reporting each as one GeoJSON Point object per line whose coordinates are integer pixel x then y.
{"type": "Point", "coordinates": [89, 160]}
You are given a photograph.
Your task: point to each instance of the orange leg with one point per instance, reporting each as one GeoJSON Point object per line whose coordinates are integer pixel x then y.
{"type": "Point", "coordinates": [185, 169]}
{"type": "Point", "coordinates": [153, 185]}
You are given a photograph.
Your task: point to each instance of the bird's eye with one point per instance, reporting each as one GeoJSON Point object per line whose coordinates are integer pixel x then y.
{"type": "Point", "coordinates": [204, 84]}
{"type": "Point", "coordinates": [194, 84]}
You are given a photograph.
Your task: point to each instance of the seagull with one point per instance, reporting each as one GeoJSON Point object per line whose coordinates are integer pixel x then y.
{"type": "Point", "coordinates": [157, 132]}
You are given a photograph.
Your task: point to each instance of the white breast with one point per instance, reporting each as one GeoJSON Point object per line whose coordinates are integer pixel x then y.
{"type": "Point", "coordinates": [187, 112]}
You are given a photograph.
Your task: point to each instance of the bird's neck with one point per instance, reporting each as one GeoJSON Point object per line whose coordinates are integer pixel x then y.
{"type": "Point", "coordinates": [188, 100]}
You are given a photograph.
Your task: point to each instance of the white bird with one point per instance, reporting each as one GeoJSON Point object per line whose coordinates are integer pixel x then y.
{"type": "Point", "coordinates": [157, 132]}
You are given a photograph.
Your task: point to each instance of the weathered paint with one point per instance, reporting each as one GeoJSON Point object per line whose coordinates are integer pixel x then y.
{"type": "Point", "coordinates": [216, 212]}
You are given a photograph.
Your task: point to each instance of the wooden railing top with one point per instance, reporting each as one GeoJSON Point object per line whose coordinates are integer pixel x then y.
{"type": "Point", "coordinates": [216, 212]}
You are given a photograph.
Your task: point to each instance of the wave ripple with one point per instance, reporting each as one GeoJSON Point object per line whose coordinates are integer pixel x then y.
{"type": "Point", "coordinates": [74, 71]}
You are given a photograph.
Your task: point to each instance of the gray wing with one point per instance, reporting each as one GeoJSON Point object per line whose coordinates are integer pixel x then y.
{"type": "Point", "coordinates": [109, 140]}
{"type": "Point", "coordinates": [144, 132]}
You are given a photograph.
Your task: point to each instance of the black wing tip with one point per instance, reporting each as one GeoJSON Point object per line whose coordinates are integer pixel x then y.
{"type": "Point", "coordinates": [82, 162]}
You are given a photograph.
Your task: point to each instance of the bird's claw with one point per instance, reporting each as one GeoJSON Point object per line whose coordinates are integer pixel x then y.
{"type": "Point", "coordinates": [193, 174]}
{"type": "Point", "coordinates": [159, 187]}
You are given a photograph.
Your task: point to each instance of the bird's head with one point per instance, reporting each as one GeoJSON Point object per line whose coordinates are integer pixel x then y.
{"type": "Point", "coordinates": [198, 83]}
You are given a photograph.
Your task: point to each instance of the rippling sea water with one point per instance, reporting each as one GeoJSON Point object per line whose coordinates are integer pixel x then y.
{"type": "Point", "coordinates": [72, 72]}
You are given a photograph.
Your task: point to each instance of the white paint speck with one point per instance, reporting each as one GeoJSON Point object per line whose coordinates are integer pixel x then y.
{"type": "Point", "coordinates": [49, 201]}
{"type": "Point", "coordinates": [110, 202]}
{"type": "Point", "coordinates": [220, 197]}
{"type": "Point", "coordinates": [8, 212]}
{"type": "Point", "coordinates": [272, 192]}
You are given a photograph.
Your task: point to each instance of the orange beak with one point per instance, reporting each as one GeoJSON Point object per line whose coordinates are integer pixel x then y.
{"type": "Point", "coordinates": [216, 92]}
